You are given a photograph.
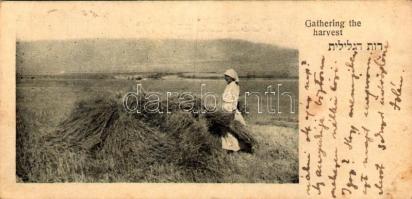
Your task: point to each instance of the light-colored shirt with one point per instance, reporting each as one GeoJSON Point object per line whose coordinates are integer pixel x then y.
{"type": "Point", "coordinates": [230, 97]}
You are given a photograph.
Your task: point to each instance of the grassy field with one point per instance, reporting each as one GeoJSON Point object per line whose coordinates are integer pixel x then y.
{"type": "Point", "coordinates": [48, 102]}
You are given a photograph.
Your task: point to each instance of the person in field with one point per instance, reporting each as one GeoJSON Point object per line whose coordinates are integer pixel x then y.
{"type": "Point", "coordinates": [230, 101]}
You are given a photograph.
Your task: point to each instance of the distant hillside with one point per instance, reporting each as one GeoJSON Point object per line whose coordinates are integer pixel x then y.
{"type": "Point", "coordinates": [144, 55]}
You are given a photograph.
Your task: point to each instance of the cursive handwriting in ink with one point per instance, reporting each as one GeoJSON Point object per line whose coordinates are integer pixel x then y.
{"type": "Point", "coordinates": [307, 177]}
{"type": "Point", "coordinates": [397, 92]}
{"type": "Point", "coordinates": [332, 116]}
{"type": "Point", "coordinates": [379, 185]}
{"type": "Point", "coordinates": [381, 62]}
{"type": "Point", "coordinates": [367, 140]}
{"type": "Point", "coordinates": [381, 131]}
{"type": "Point", "coordinates": [351, 65]}
{"type": "Point", "coordinates": [321, 152]}
{"type": "Point", "coordinates": [335, 174]}
{"type": "Point", "coordinates": [366, 185]}
{"type": "Point", "coordinates": [367, 88]}
{"type": "Point", "coordinates": [348, 140]}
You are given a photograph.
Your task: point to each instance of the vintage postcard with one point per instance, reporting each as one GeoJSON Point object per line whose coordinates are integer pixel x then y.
{"type": "Point", "coordinates": [205, 99]}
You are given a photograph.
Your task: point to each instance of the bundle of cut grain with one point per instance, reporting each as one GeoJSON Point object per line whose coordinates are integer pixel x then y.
{"type": "Point", "coordinates": [87, 125]}
{"type": "Point", "coordinates": [155, 147]}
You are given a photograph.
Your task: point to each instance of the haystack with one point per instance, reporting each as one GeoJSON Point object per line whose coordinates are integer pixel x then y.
{"type": "Point", "coordinates": [181, 146]}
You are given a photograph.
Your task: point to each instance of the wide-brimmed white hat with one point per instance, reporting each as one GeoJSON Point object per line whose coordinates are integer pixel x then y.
{"type": "Point", "coordinates": [233, 74]}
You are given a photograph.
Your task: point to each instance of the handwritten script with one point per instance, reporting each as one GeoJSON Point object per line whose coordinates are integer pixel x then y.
{"type": "Point", "coordinates": [347, 97]}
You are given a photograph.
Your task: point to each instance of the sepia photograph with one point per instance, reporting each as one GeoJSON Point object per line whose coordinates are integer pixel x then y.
{"type": "Point", "coordinates": [205, 99]}
{"type": "Point", "coordinates": [141, 109]}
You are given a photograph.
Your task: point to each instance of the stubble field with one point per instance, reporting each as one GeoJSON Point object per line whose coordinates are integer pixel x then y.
{"type": "Point", "coordinates": [43, 104]}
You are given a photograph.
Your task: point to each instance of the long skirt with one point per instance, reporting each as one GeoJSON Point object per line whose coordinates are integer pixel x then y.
{"type": "Point", "coordinates": [229, 142]}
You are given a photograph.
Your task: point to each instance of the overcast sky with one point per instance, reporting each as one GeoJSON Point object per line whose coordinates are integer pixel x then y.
{"type": "Point", "coordinates": [258, 23]}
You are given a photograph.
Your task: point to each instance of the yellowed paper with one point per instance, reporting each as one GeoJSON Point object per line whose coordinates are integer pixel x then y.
{"type": "Point", "coordinates": [344, 134]}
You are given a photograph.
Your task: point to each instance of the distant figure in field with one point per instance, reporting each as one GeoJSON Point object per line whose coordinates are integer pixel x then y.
{"type": "Point", "coordinates": [230, 102]}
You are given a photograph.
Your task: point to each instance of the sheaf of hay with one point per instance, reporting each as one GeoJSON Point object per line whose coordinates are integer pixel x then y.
{"type": "Point", "coordinates": [100, 137]}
